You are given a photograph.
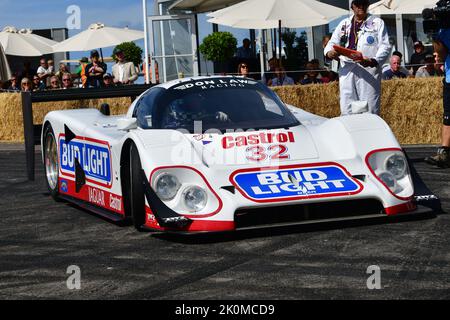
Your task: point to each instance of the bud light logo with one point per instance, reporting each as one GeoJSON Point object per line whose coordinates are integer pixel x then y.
{"type": "Point", "coordinates": [291, 183]}
{"type": "Point", "coordinates": [94, 158]}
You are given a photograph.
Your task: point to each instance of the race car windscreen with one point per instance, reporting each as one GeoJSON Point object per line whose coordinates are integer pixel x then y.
{"type": "Point", "coordinates": [217, 103]}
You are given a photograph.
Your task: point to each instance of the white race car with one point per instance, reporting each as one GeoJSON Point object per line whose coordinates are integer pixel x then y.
{"type": "Point", "coordinates": [223, 153]}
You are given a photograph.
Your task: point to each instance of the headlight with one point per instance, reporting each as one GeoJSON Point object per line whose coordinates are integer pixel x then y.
{"type": "Point", "coordinates": [390, 167]}
{"type": "Point", "coordinates": [396, 165]}
{"type": "Point", "coordinates": [389, 180]}
{"type": "Point", "coordinates": [167, 186]}
{"type": "Point", "coordinates": [195, 198]}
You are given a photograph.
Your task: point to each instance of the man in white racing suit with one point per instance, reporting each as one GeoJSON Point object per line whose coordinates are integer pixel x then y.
{"type": "Point", "coordinates": [360, 80]}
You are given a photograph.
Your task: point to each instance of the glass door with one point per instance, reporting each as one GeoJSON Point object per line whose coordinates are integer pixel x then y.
{"type": "Point", "coordinates": [173, 47]}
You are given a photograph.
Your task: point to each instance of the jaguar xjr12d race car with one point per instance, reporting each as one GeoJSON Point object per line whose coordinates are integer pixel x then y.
{"type": "Point", "coordinates": [223, 153]}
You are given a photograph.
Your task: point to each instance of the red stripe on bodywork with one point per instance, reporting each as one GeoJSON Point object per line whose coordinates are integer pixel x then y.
{"type": "Point", "coordinates": [87, 193]}
{"type": "Point", "coordinates": [195, 226]}
{"type": "Point", "coordinates": [401, 208]}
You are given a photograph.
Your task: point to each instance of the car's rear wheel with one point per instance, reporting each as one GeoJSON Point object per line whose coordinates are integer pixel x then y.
{"type": "Point", "coordinates": [51, 161]}
{"type": "Point", "coordinates": [136, 189]}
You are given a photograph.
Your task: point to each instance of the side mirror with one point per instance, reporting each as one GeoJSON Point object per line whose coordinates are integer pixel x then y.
{"type": "Point", "coordinates": [359, 107]}
{"type": "Point", "coordinates": [127, 124]}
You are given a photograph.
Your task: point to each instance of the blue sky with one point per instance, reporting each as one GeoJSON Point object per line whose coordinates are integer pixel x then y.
{"type": "Point", "coordinates": [40, 14]}
{"type": "Point", "coordinates": [43, 14]}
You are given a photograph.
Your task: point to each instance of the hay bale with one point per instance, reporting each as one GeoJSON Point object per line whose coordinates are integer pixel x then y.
{"type": "Point", "coordinates": [411, 107]}
{"type": "Point", "coordinates": [11, 119]}
{"type": "Point", "coordinates": [322, 100]}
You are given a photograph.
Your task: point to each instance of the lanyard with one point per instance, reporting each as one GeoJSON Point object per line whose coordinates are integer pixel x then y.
{"type": "Point", "coordinates": [355, 34]}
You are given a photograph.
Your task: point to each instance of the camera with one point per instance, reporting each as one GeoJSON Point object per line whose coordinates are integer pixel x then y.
{"type": "Point", "coordinates": [436, 18]}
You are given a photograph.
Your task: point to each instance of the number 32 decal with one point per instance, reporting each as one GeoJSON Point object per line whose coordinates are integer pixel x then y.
{"type": "Point", "coordinates": [273, 152]}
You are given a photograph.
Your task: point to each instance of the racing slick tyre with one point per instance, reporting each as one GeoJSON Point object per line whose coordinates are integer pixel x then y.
{"type": "Point", "coordinates": [51, 164]}
{"type": "Point", "coordinates": [136, 189]}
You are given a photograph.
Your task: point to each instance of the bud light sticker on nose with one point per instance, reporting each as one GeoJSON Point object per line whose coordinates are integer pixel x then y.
{"type": "Point", "coordinates": [291, 183]}
{"type": "Point", "coordinates": [94, 158]}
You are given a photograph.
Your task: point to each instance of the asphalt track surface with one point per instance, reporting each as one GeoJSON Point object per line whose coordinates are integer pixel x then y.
{"type": "Point", "coordinates": [40, 238]}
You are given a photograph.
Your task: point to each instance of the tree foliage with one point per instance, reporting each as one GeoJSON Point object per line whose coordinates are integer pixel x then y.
{"type": "Point", "coordinates": [219, 46]}
{"type": "Point", "coordinates": [296, 49]}
{"type": "Point", "coordinates": [132, 52]}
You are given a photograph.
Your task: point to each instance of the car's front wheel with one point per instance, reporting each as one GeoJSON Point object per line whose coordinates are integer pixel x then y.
{"type": "Point", "coordinates": [136, 189]}
{"type": "Point", "coordinates": [51, 164]}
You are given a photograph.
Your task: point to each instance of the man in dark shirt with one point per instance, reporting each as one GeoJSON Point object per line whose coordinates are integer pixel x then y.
{"type": "Point", "coordinates": [270, 74]}
{"type": "Point", "coordinates": [418, 57]}
{"type": "Point", "coordinates": [312, 74]}
{"type": "Point", "coordinates": [95, 71]}
{"type": "Point", "coordinates": [394, 72]}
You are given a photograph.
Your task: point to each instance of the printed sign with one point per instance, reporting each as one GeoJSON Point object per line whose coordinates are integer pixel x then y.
{"type": "Point", "coordinates": [94, 157]}
{"type": "Point", "coordinates": [229, 142]}
{"type": "Point", "coordinates": [295, 183]}
{"type": "Point", "coordinates": [216, 83]}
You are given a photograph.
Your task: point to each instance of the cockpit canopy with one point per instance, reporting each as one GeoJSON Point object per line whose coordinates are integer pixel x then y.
{"type": "Point", "coordinates": [213, 103]}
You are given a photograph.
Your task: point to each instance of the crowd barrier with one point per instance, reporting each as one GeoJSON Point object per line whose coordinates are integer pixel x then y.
{"type": "Point", "coordinates": [412, 107]}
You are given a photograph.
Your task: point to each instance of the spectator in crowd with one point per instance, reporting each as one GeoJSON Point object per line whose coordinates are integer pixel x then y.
{"type": "Point", "coordinates": [243, 70]}
{"type": "Point", "coordinates": [245, 52]}
{"type": "Point", "coordinates": [124, 72]}
{"type": "Point", "coordinates": [313, 72]}
{"type": "Point", "coordinates": [61, 71]}
{"type": "Point", "coordinates": [108, 80]}
{"type": "Point", "coordinates": [13, 84]}
{"type": "Point", "coordinates": [387, 66]}
{"type": "Point", "coordinates": [329, 64]}
{"type": "Point", "coordinates": [26, 85]}
{"type": "Point", "coordinates": [418, 57]}
{"type": "Point", "coordinates": [325, 39]}
{"type": "Point", "coordinates": [43, 71]}
{"type": "Point", "coordinates": [51, 67]}
{"type": "Point", "coordinates": [54, 83]}
{"type": "Point", "coordinates": [67, 81]}
{"type": "Point", "coordinates": [38, 84]}
{"type": "Point", "coordinates": [95, 71]}
{"type": "Point", "coordinates": [428, 70]}
{"type": "Point", "coordinates": [360, 80]}
{"type": "Point", "coordinates": [394, 71]}
{"type": "Point", "coordinates": [438, 65]}
{"type": "Point", "coordinates": [270, 74]}
{"type": "Point", "coordinates": [81, 71]}
{"type": "Point", "coordinates": [328, 76]}
{"type": "Point", "coordinates": [281, 79]}
{"type": "Point", "coordinates": [441, 46]}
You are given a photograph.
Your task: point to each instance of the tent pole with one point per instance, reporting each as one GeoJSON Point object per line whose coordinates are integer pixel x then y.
{"type": "Point", "coordinates": [146, 57]}
{"type": "Point", "coordinates": [279, 40]}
